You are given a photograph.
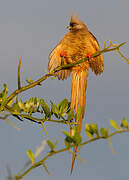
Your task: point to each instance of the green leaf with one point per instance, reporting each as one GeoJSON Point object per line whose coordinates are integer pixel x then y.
{"type": "Point", "coordinates": [74, 138]}
{"type": "Point", "coordinates": [16, 107]}
{"type": "Point", "coordinates": [55, 110]}
{"type": "Point", "coordinates": [114, 124]}
{"type": "Point", "coordinates": [76, 135]}
{"type": "Point", "coordinates": [91, 129]}
{"type": "Point", "coordinates": [21, 105]}
{"type": "Point", "coordinates": [68, 140]}
{"type": "Point", "coordinates": [66, 133]}
{"type": "Point", "coordinates": [79, 113]}
{"type": "Point", "coordinates": [3, 102]}
{"type": "Point", "coordinates": [88, 130]}
{"type": "Point", "coordinates": [45, 108]}
{"type": "Point", "coordinates": [3, 96]}
{"type": "Point", "coordinates": [36, 104]}
{"type": "Point", "coordinates": [104, 132]}
{"type": "Point", "coordinates": [30, 80]}
{"type": "Point", "coordinates": [31, 105]}
{"type": "Point", "coordinates": [51, 145]}
{"type": "Point", "coordinates": [5, 90]}
{"type": "Point", "coordinates": [124, 123]}
{"type": "Point", "coordinates": [94, 129]}
{"type": "Point", "coordinates": [36, 101]}
{"type": "Point", "coordinates": [70, 115]}
{"type": "Point", "coordinates": [31, 156]}
{"type": "Point", "coordinates": [63, 106]}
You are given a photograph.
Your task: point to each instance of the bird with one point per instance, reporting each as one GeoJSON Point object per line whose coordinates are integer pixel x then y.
{"type": "Point", "coordinates": [78, 43]}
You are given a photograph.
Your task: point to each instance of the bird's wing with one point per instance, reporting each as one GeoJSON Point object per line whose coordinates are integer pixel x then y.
{"type": "Point", "coordinates": [97, 63]}
{"type": "Point", "coordinates": [55, 61]}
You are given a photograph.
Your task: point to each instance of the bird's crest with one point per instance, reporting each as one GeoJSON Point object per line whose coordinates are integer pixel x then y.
{"type": "Point", "coordinates": [76, 23]}
{"type": "Point", "coordinates": [75, 19]}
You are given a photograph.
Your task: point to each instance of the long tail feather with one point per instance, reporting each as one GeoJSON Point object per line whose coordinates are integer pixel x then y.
{"type": "Point", "coordinates": [78, 94]}
{"type": "Point", "coordinates": [73, 158]}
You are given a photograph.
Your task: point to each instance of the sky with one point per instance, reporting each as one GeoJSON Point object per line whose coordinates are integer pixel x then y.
{"type": "Point", "coordinates": [31, 29]}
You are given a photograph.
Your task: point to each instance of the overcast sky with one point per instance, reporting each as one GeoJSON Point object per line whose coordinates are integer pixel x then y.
{"type": "Point", "coordinates": [31, 29]}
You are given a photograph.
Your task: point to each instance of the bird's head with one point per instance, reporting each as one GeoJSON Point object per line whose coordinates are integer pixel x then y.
{"type": "Point", "coordinates": [76, 25]}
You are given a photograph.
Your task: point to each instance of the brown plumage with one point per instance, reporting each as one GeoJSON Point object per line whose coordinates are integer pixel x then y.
{"type": "Point", "coordinates": [77, 44]}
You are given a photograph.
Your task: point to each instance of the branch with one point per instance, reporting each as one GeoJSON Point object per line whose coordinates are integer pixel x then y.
{"type": "Point", "coordinates": [52, 153]}
{"type": "Point", "coordinates": [43, 78]}
{"type": "Point", "coordinates": [34, 119]}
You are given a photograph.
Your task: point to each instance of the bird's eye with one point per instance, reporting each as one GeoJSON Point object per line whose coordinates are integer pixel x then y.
{"type": "Point", "coordinates": [73, 24]}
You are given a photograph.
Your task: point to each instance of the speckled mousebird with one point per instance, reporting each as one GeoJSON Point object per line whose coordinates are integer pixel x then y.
{"type": "Point", "coordinates": [77, 44]}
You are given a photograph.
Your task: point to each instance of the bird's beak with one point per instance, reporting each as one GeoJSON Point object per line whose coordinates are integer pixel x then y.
{"type": "Point", "coordinates": [69, 27]}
